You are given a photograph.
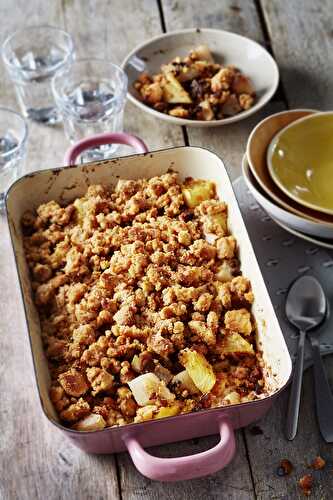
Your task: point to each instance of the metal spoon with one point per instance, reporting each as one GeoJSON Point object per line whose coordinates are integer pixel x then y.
{"type": "Point", "coordinates": [306, 309]}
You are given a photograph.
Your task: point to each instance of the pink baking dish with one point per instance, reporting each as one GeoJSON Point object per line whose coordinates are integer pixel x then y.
{"type": "Point", "coordinates": [64, 184]}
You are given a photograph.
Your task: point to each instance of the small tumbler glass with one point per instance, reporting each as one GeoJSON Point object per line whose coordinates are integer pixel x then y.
{"type": "Point", "coordinates": [13, 140]}
{"type": "Point", "coordinates": [91, 97]}
{"type": "Point", "coordinates": [32, 56]}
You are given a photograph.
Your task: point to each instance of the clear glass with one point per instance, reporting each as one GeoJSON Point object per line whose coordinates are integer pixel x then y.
{"type": "Point", "coordinates": [32, 57]}
{"type": "Point", "coordinates": [13, 139]}
{"type": "Point", "coordinates": [91, 97]}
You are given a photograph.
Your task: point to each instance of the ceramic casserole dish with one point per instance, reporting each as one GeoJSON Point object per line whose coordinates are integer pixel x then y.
{"type": "Point", "coordinates": [65, 184]}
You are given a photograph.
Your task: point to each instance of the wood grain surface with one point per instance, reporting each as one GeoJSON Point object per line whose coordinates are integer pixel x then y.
{"type": "Point", "coordinates": [36, 461]}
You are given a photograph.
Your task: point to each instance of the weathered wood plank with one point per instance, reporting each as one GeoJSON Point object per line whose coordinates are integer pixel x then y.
{"type": "Point", "coordinates": [232, 483]}
{"type": "Point", "coordinates": [36, 460]}
{"type": "Point", "coordinates": [41, 459]}
{"type": "Point", "coordinates": [229, 142]}
{"type": "Point", "coordinates": [302, 40]}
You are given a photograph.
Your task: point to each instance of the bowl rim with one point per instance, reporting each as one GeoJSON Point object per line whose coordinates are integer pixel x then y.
{"type": "Point", "coordinates": [296, 210]}
{"type": "Point", "coordinates": [202, 123]}
{"type": "Point", "coordinates": [322, 242]}
{"type": "Point", "coordinates": [246, 170]}
{"type": "Point", "coordinates": [274, 175]}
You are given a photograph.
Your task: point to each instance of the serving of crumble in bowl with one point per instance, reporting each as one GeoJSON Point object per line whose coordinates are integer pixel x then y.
{"type": "Point", "coordinates": [144, 301]}
{"type": "Point", "coordinates": [200, 77]}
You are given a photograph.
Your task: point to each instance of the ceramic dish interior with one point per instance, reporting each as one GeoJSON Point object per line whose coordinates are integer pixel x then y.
{"type": "Point", "coordinates": [227, 48]}
{"type": "Point", "coordinates": [321, 230]}
{"type": "Point", "coordinates": [299, 160]}
{"type": "Point", "coordinates": [257, 145]}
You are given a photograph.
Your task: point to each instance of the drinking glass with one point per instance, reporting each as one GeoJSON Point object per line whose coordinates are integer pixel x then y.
{"type": "Point", "coordinates": [32, 56]}
{"type": "Point", "coordinates": [91, 97]}
{"type": "Point", "coordinates": [13, 139]}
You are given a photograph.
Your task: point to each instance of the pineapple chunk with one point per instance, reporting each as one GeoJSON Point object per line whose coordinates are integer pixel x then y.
{"type": "Point", "coordinates": [168, 411]}
{"type": "Point", "coordinates": [198, 368]}
{"type": "Point", "coordinates": [196, 191]}
{"type": "Point", "coordinates": [202, 53]}
{"type": "Point", "coordinates": [135, 363]}
{"type": "Point", "coordinates": [148, 385]}
{"type": "Point", "coordinates": [173, 91]}
{"type": "Point", "coordinates": [232, 398]}
{"type": "Point", "coordinates": [105, 264]}
{"type": "Point", "coordinates": [92, 422]}
{"type": "Point", "coordinates": [235, 343]}
{"type": "Point", "coordinates": [184, 382]}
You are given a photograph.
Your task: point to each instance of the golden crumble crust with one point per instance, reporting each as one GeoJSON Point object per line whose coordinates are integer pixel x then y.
{"type": "Point", "coordinates": [141, 298]}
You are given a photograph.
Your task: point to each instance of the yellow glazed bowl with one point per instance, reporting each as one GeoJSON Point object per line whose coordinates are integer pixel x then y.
{"type": "Point", "coordinates": [300, 161]}
{"type": "Point", "coordinates": [256, 150]}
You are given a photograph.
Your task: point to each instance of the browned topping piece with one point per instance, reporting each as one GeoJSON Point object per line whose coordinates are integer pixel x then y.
{"type": "Point", "coordinates": [73, 383]}
{"type": "Point", "coordinates": [99, 379]}
{"type": "Point", "coordinates": [318, 463]}
{"type": "Point", "coordinates": [305, 483]}
{"type": "Point", "coordinates": [143, 281]}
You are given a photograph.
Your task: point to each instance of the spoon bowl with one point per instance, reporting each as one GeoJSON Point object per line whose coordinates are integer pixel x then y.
{"type": "Point", "coordinates": [306, 303]}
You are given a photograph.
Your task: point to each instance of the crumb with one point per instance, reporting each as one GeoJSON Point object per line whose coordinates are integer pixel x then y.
{"type": "Point", "coordinates": [305, 483]}
{"type": "Point", "coordinates": [318, 463]}
{"type": "Point", "coordinates": [256, 430]}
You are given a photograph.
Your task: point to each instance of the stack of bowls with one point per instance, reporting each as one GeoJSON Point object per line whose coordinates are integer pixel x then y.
{"type": "Point", "coordinates": [283, 183]}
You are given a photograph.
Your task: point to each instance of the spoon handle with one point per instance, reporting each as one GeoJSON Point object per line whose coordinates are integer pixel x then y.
{"type": "Point", "coordinates": [323, 393]}
{"type": "Point", "coordinates": [295, 392]}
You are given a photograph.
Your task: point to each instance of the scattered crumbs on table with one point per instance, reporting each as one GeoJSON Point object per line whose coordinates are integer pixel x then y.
{"type": "Point", "coordinates": [305, 483]}
{"type": "Point", "coordinates": [285, 468]}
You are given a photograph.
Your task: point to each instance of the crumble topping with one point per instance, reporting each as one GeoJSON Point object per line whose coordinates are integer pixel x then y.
{"type": "Point", "coordinates": [144, 311]}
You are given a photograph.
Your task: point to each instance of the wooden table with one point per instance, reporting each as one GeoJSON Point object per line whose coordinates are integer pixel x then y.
{"type": "Point", "coordinates": [36, 461]}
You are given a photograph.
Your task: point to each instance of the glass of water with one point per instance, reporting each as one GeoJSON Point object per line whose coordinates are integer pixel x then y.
{"type": "Point", "coordinates": [13, 140]}
{"type": "Point", "coordinates": [32, 56]}
{"type": "Point", "coordinates": [91, 97]}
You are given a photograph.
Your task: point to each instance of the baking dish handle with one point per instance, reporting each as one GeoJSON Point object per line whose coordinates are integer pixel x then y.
{"type": "Point", "coordinates": [189, 467]}
{"type": "Point", "coordinates": [99, 140]}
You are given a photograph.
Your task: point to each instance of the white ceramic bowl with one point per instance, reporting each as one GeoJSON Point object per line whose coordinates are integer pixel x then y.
{"type": "Point", "coordinates": [309, 227]}
{"type": "Point", "coordinates": [227, 48]}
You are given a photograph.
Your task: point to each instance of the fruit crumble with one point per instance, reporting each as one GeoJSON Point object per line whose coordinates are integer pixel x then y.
{"type": "Point", "coordinates": [197, 88]}
{"type": "Point", "coordinates": [143, 309]}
